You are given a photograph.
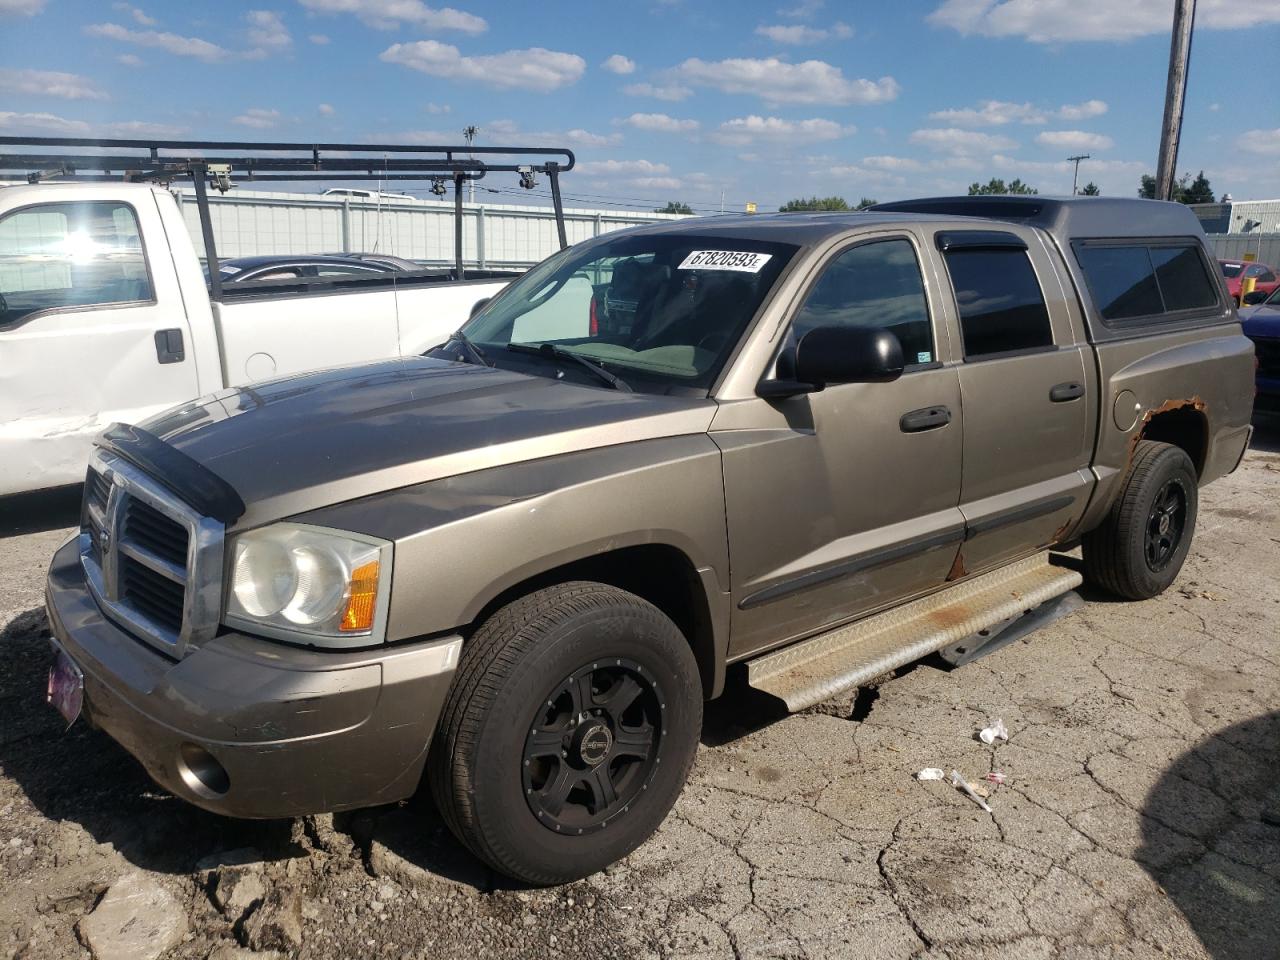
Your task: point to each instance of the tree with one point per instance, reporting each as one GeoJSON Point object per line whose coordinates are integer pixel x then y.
{"type": "Point", "coordinates": [814, 203]}
{"type": "Point", "coordinates": [866, 202]}
{"type": "Point", "coordinates": [675, 206]}
{"type": "Point", "coordinates": [1185, 189]}
{"type": "Point", "coordinates": [1090, 189]}
{"type": "Point", "coordinates": [995, 186]}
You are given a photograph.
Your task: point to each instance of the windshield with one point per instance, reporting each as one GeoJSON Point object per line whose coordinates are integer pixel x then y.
{"type": "Point", "coordinates": [661, 312]}
{"type": "Point", "coordinates": [1230, 270]}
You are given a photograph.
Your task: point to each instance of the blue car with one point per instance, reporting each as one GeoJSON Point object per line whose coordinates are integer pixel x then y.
{"type": "Point", "coordinates": [1262, 326]}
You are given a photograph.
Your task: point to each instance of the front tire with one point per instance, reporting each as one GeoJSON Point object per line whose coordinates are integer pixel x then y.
{"type": "Point", "coordinates": [568, 732]}
{"type": "Point", "coordinates": [1138, 550]}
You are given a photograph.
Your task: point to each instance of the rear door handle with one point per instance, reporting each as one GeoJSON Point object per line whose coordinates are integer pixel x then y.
{"type": "Point", "coordinates": [169, 346]}
{"type": "Point", "coordinates": [1065, 392]}
{"type": "Point", "coordinates": [926, 418]}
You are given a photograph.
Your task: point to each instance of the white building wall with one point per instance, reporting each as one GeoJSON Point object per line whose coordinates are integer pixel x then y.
{"type": "Point", "coordinates": [1234, 246]}
{"type": "Point", "coordinates": [247, 223]}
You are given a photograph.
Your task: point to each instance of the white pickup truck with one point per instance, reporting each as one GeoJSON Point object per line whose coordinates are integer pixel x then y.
{"type": "Point", "coordinates": [105, 316]}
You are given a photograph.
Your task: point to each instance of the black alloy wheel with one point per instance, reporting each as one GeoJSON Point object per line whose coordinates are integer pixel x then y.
{"type": "Point", "coordinates": [594, 746]}
{"type": "Point", "coordinates": [1165, 524]}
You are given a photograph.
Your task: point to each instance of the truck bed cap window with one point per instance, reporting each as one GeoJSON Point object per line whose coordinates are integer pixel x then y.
{"type": "Point", "coordinates": [1131, 280]}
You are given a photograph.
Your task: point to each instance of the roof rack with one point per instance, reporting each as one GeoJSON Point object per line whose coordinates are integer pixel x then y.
{"type": "Point", "coordinates": [215, 163]}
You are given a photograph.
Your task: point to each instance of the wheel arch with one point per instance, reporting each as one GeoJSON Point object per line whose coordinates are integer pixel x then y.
{"type": "Point", "coordinates": [660, 573]}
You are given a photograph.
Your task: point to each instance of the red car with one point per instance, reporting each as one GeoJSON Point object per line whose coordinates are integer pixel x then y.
{"type": "Point", "coordinates": [1235, 271]}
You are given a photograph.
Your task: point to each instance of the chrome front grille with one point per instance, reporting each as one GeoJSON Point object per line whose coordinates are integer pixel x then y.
{"type": "Point", "coordinates": [153, 563]}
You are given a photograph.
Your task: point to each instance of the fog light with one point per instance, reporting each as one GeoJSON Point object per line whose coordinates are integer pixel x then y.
{"type": "Point", "coordinates": [201, 772]}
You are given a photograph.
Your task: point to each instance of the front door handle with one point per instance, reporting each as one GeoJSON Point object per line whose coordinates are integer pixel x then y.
{"type": "Point", "coordinates": [1065, 392]}
{"type": "Point", "coordinates": [926, 418]}
{"type": "Point", "coordinates": [169, 346]}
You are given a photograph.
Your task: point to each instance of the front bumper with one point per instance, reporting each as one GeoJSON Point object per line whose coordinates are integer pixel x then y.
{"type": "Point", "coordinates": [291, 731]}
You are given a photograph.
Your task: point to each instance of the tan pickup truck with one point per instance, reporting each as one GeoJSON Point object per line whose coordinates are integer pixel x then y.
{"type": "Point", "coordinates": [818, 447]}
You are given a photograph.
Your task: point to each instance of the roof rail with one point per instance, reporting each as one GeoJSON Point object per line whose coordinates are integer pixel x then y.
{"type": "Point", "coordinates": [216, 162]}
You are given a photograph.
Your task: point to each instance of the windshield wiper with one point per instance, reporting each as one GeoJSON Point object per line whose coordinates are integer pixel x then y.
{"type": "Point", "coordinates": [552, 352]}
{"type": "Point", "coordinates": [474, 353]}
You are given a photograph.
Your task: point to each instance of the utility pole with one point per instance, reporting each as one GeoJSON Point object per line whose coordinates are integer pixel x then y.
{"type": "Point", "coordinates": [1075, 177]}
{"type": "Point", "coordinates": [469, 132]}
{"type": "Point", "coordinates": [1184, 16]}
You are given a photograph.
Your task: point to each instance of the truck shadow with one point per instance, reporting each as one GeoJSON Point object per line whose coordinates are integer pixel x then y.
{"type": "Point", "coordinates": [37, 512]}
{"type": "Point", "coordinates": [1211, 838]}
{"type": "Point", "coordinates": [1266, 433]}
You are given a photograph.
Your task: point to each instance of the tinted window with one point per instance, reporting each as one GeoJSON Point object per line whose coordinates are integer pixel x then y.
{"type": "Point", "coordinates": [1230, 270]}
{"type": "Point", "coordinates": [873, 285]}
{"type": "Point", "coordinates": [70, 255]}
{"type": "Point", "coordinates": [1001, 307]}
{"type": "Point", "coordinates": [1182, 280]}
{"type": "Point", "coordinates": [1122, 281]}
{"type": "Point", "coordinates": [1132, 280]}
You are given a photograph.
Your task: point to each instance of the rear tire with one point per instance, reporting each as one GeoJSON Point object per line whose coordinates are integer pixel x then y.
{"type": "Point", "coordinates": [1138, 550]}
{"type": "Point", "coordinates": [568, 732]}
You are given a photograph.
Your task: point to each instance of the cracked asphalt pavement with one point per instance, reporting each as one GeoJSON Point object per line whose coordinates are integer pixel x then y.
{"type": "Point", "coordinates": [1140, 817]}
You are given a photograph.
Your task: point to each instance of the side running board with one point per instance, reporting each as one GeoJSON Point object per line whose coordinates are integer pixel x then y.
{"type": "Point", "coordinates": [821, 667]}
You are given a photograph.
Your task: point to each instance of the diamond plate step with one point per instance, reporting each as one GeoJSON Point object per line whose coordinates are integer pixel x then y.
{"type": "Point", "coordinates": [821, 667]}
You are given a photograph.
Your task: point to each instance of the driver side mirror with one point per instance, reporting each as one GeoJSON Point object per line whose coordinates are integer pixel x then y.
{"type": "Point", "coordinates": [478, 306]}
{"type": "Point", "coordinates": [831, 355]}
{"type": "Point", "coordinates": [1257, 296]}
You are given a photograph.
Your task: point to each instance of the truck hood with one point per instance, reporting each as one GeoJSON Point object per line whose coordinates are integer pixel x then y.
{"type": "Point", "coordinates": [1262, 320]}
{"type": "Point", "coordinates": [292, 445]}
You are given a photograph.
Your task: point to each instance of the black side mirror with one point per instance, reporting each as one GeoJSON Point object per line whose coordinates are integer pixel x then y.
{"type": "Point", "coordinates": [1257, 296]}
{"type": "Point", "coordinates": [827, 355]}
{"type": "Point", "coordinates": [848, 355]}
{"type": "Point", "coordinates": [479, 305]}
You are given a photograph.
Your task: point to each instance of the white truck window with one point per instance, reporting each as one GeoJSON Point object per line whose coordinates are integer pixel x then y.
{"type": "Point", "coordinates": [60, 255]}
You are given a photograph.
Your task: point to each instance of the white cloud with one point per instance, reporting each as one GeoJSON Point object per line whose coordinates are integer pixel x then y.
{"type": "Point", "coordinates": [1074, 140]}
{"type": "Point", "coordinates": [389, 14]}
{"type": "Point", "coordinates": [1215, 107]}
{"type": "Point", "coordinates": [797, 34]}
{"type": "Point", "coordinates": [659, 122]}
{"type": "Point", "coordinates": [1265, 142]}
{"type": "Point", "coordinates": [990, 113]}
{"type": "Point", "coordinates": [743, 130]}
{"type": "Point", "coordinates": [619, 64]}
{"type": "Point", "coordinates": [892, 164]}
{"type": "Point", "coordinates": [50, 83]}
{"type": "Point", "coordinates": [139, 15]}
{"type": "Point", "coordinates": [777, 81]}
{"type": "Point", "coordinates": [129, 60]}
{"type": "Point", "coordinates": [319, 39]}
{"type": "Point", "coordinates": [657, 183]}
{"type": "Point", "coordinates": [577, 137]}
{"type": "Point", "coordinates": [267, 34]}
{"type": "Point", "coordinates": [621, 168]}
{"type": "Point", "coordinates": [961, 142]}
{"type": "Point", "coordinates": [1052, 21]}
{"type": "Point", "coordinates": [20, 8]}
{"type": "Point", "coordinates": [671, 92]}
{"type": "Point", "coordinates": [437, 108]}
{"type": "Point", "coordinates": [536, 69]}
{"type": "Point", "coordinates": [42, 123]}
{"type": "Point", "coordinates": [259, 118]}
{"type": "Point", "coordinates": [802, 10]}
{"type": "Point", "coordinates": [326, 110]}
{"type": "Point", "coordinates": [169, 42]}
{"type": "Point", "coordinates": [1082, 111]}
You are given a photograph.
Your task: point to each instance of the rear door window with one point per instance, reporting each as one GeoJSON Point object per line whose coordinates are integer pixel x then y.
{"type": "Point", "coordinates": [1002, 309]}
{"type": "Point", "coordinates": [64, 255]}
{"type": "Point", "coordinates": [1132, 280]}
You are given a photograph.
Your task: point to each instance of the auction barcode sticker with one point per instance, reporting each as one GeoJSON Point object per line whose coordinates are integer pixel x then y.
{"type": "Point", "coordinates": [737, 260]}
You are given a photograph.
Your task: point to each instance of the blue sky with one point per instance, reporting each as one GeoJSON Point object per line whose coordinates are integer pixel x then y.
{"type": "Point", "coordinates": [676, 99]}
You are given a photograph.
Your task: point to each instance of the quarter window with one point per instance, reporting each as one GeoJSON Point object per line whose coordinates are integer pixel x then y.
{"type": "Point", "coordinates": [1131, 280]}
{"type": "Point", "coordinates": [70, 255]}
{"type": "Point", "coordinates": [1001, 307]}
{"type": "Point", "coordinates": [874, 285]}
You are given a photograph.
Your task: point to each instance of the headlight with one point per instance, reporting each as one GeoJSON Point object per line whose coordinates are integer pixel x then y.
{"type": "Point", "coordinates": [298, 582]}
